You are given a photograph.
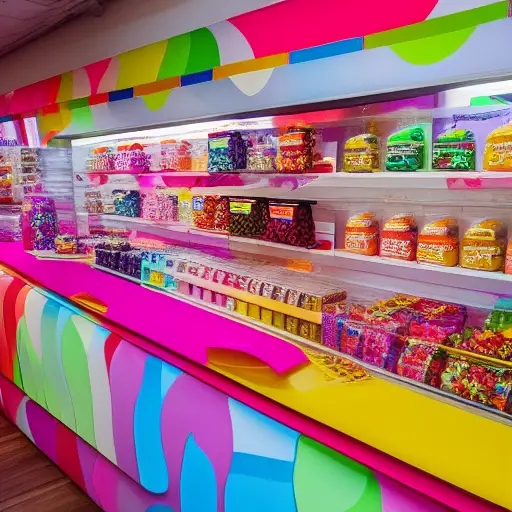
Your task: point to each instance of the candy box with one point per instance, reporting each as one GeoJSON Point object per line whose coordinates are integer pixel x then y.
{"type": "Point", "coordinates": [291, 224]}
{"type": "Point", "coordinates": [65, 244]}
{"type": "Point", "coordinates": [227, 151]}
{"type": "Point", "coordinates": [483, 246]}
{"type": "Point", "coordinates": [438, 243]}
{"type": "Point", "coordinates": [248, 217]}
{"type": "Point", "coordinates": [454, 150]}
{"type": "Point", "coordinates": [350, 337]}
{"type": "Point", "coordinates": [296, 150]}
{"type": "Point", "coordinates": [362, 154]}
{"type": "Point", "coordinates": [421, 361]}
{"type": "Point", "coordinates": [398, 239]}
{"type": "Point", "coordinates": [362, 234]}
{"type": "Point", "coordinates": [479, 382]}
{"type": "Point", "coordinates": [406, 150]}
{"type": "Point", "coordinates": [498, 149]}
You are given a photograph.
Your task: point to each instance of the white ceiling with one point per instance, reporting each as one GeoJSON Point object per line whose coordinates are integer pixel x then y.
{"type": "Point", "coordinates": [22, 21]}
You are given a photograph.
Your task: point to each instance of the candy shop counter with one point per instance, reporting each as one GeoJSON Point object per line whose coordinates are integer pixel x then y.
{"type": "Point", "coordinates": [387, 425]}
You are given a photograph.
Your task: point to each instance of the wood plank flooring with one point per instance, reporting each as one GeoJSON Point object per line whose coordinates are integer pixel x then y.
{"type": "Point", "coordinates": [30, 482]}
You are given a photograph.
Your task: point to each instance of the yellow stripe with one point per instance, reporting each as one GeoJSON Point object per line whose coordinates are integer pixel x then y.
{"type": "Point", "coordinates": [159, 86]}
{"type": "Point", "coordinates": [246, 66]}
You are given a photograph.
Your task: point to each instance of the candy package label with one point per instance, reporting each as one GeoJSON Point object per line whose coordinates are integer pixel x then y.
{"type": "Point", "coordinates": [240, 208]}
{"type": "Point", "coordinates": [454, 155]}
{"type": "Point", "coordinates": [281, 212]}
{"type": "Point", "coordinates": [156, 278]}
{"type": "Point", "coordinates": [198, 204]}
{"type": "Point", "coordinates": [219, 143]}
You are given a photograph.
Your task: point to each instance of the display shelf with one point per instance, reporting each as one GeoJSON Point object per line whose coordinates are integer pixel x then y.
{"type": "Point", "coordinates": [148, 173]}
{"type": "Point", "coordinates": [454, 284]}
{"type": "Point", "coordinates": [316, 347]}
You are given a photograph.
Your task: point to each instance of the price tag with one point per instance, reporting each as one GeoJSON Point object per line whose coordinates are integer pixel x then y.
{"type": "Point", "coordinates": [299, 265]}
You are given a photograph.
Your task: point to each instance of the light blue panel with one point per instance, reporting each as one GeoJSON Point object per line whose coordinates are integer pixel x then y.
{"type": "Point", "coordinates": [159, 508]}
{"type": "Point", "coordinates": [169, 376]}
{"type": "Point", "coordinates": [257, 434]}
{"type": "Point", "coordinates": [198, 485]}
{"type": "Point", "coordinates": [147, 430]}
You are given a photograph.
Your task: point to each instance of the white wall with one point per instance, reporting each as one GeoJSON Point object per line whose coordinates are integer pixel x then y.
{"type": "Point", "coordinates": [125, 25]}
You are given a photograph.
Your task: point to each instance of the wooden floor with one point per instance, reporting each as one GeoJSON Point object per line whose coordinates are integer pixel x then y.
{"type": "Point", "coordinates": [30, 482]}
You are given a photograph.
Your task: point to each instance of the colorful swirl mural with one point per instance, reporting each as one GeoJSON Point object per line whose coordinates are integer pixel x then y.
{"type": "Point", "coordinates": [138, 434]}
{"type": "Point", "coordinates": [290, 32]}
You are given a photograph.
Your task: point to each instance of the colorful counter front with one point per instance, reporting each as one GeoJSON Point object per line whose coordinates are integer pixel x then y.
{"type": "Point", "coordinates": [148, 410]}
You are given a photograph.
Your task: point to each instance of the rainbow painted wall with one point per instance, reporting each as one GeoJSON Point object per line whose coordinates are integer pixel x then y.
{"type": "Point", "coordinates": [138, 434]}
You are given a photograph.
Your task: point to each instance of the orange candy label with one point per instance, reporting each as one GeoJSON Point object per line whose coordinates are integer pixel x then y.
{"type": "Point", "coordinates": [281, 212]}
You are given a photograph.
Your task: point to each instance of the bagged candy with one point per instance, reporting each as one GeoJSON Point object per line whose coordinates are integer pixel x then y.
{"type": "Point", "coordinates": [296, 150]}
{"type": "Point", "coordinates": [497, 345]}
{"type": "Point", "coordinates": [210, 212]}
{"type": "Point", "coordinates": [66, 244]}
{"type": "Point", "coordinates": [127, 202]}
{"type": "Point", "coordinates": [421, 361]}
{"type": "Point", "coordinates": [406, 150]}
{"type": "Point", "coordinates": [508, 259]}
{"type": "Point", "coordinates": [248, 217]}
{"type": "Point", "coordinates": [362, 234]}
{"type": "Point", "coordinates": [399, 237]}
{"type": "Point", "coordinates": [438, 243]}
{"type": "Point", "coordinates": [454, 150]}
{"type": "Point", "coordinates": [362, 154]}
{"type": "Point", "coordinates": [262, 153]}
{"type": "Point", "coordinates": [479, 382]}
{"type": "Point", "coordinates": [291, 224]}
{"type": "Point", "coordinates": [227, 151]}
{"type": "Point", "coordinates": [484, 246]}
{"type": "Point", "coordinates": [498, 149]}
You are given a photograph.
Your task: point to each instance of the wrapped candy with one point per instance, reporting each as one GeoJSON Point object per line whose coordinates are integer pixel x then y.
{"type": "Point", "coordinates": [39, 223]}
{"type": "Point", "coordinates": [454, 150]}
{"type": "Point", "coordinates": [127, 202]}
{"type": "Point", "coordinates": [438, 243]}
{"type": "Point", "coordinates": [484, 246]}
{"type": "Point", "coordinates": [380, 347]}
{"type": "Point", "coordinates": [210, 212]}
{"type": "Point", "coordinates": [227, 151]}
{"type": "Point", "coordinates": [362, 154]}
{"type": "Point", "coordinates": [399, 237]}
{"type": "Point", "coordinates": [66, 244]}
{"type": "Point", "coordinates": [296, 150]}
{"type": "Point", "coordinates": [406, 150]}
{"type": "Point", "coordinates": [508, 258]}
{"type": "Point", "coordinates": [500, 318]}
{"type": "Point", "coordinates": [248, 217]}
{"type": "Point", "coordinates": [362, 234]}
{"type": "Point", "coordinates": [479, 382]}
{"type": "Point", "coordinates": [262, 153]}
{"type": "Point", "coordinates": [291, 224]}
{"type": "Point", "coordinates": [498, 149]}
{"type": "Point", "coordinates": [421, 361]}
{"type": "Point", "coordinates": [497, 345]}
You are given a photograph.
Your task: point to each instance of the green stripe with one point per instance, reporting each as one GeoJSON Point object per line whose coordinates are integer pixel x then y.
{"type": "Point", "coordinates": [437, 26]}
{"type": "Point", "coordinates": [78, 103]}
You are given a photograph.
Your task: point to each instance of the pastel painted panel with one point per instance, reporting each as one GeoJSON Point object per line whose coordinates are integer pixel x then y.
{"type": "Point", "coordinates": [100, 390]}
{"type": "Point", "coordinates": [257, 434]}
{"type": "Point", "coordinates": [95, 73]}
{"type": "Point", "coordinates": [6, 358]}
{"type": "Point", "coordinates": [147, 429]}
{"type": "Point", "coordinates": [203, 412]}
{"type": "Point", "coordinates": [328, 481]}
{"type": "Point", "coordinates": [204, 52]}
{"type": "Point", "coordinates": [140, 66]}
{"type": "Point", "coordinates": [74, 360]}
{"type": "Point", "coordinates": [175, 59]}
{"type": "Point", "coordinates": [43, 428]}
{"type": "Point", "coordinates": [296, 24]}
{"type": "Point", "coordinates": [126, 374]}
{"type": "Point", "coordinates": [198, 484]}
{"type": "Point", "coordinates": [30, 365]}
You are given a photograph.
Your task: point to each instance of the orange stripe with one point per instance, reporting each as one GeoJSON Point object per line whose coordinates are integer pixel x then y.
{"type": "Point", "coordinates": [246, 66]}
{"type": "Point", "coordinates": [161, 85]}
